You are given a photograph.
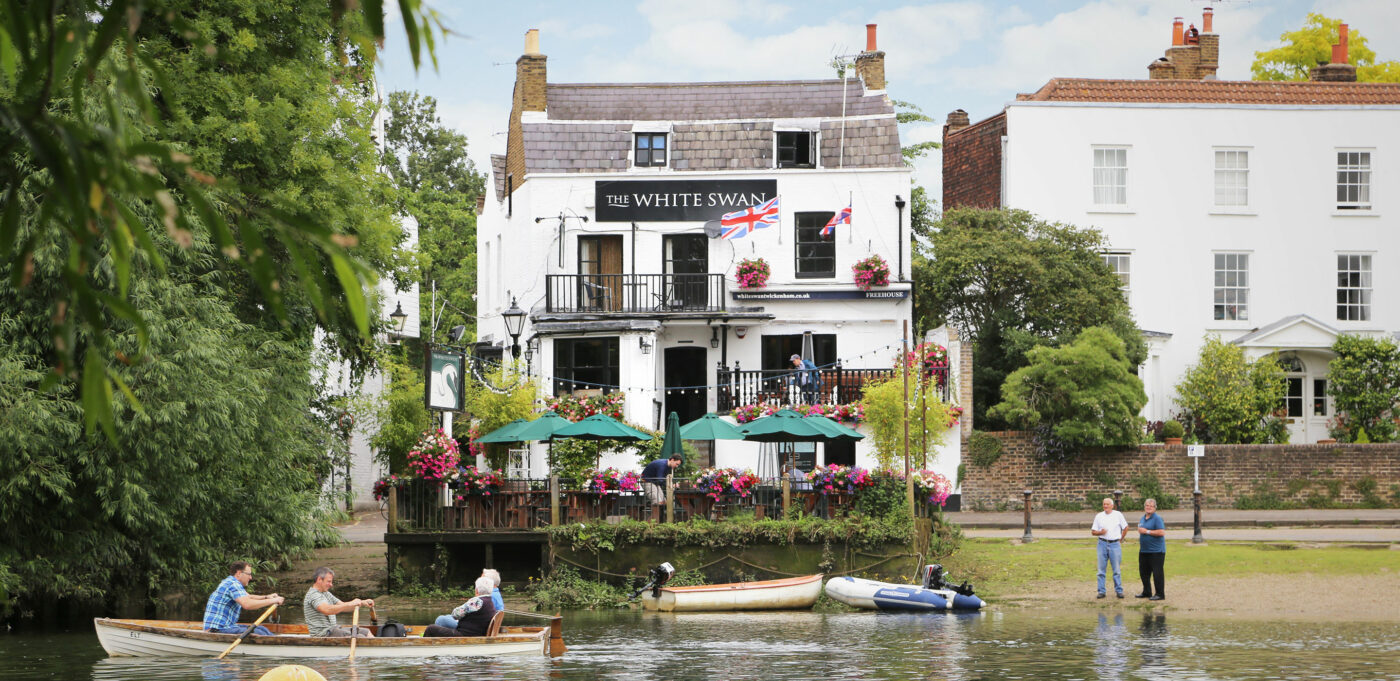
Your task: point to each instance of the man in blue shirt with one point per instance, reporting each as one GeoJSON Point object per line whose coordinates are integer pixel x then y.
{"type": "Point", "coordinates": [654, 478]}
{"type": "Point", "coordinates": [806, 377]}
{"type": "Point", "coordinates": [227, 602]}
{"type": "Point", "coordinates": [1152, 551]}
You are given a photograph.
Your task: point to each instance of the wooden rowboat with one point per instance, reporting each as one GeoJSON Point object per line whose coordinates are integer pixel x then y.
{"type": "Point", "coordinates": [163, 638]}
{"type": "Point", "coordinates": [794, 593]}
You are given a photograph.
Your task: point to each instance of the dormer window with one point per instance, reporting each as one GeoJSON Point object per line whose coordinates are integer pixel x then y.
{"type": "Point", "coordinates": [797, 149]}
{"type": "Point", "coordinates": [650, 149]}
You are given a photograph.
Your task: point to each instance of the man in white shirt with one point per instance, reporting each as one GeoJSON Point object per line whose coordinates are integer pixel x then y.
{"type": "Point", "coordinates": [1108, 527]}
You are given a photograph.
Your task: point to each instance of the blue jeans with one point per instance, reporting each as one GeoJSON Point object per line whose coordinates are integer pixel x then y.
{"type": "Point", "coordinates": [1111, 552]}
{"type": "Point", "coordinates": [446, 621]}
{"type": "Point", "coordinates": [240, 628]}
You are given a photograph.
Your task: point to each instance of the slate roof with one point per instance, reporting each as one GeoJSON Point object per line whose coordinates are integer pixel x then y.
{"type": "Point", "coordinates": [713, 126]}
{"type": "Point", "coordinates": [710, 101]}
{"type": "Point", "coordinates": [498, 173]}
{"type": "Point", "coordinates": [1290, 320]}
{"type": "Point", "coordinates": [1214, 92]}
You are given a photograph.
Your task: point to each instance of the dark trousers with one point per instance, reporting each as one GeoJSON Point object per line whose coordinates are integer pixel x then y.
{"type": "Point", "coordinates": [435, 630]}
{"type": "Point", "coordinates": [1151, 565]}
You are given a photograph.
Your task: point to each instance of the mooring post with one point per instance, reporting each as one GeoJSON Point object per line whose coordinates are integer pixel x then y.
{"type": "Point", "coordinates": [393, 510]}
{"type": "Point", "coordinates": [670, 499]}
{"type": "Point", "coordinates": [1117, 499]}
{"type": "Point", "coordinates": [554, 500]}
{"type": "Point", "coordinates": [1196, 501]}
{"type": "Point", "coordinates": [787, 494]}
{"type": "Point", "coordinates": [1027, 538]}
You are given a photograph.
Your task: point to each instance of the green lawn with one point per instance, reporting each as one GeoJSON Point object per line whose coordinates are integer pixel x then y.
{"type": "Point", "coordinates": [997, 567]}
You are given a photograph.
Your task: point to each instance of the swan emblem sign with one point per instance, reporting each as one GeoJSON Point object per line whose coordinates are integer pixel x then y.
{"type": "Point", "coordinates": [445, 380]}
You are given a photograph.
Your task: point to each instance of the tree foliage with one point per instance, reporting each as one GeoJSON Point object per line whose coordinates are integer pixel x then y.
{"type": "Point", "coordinates": [1084, 392]}
{"type": "Point", "coordinates": [929, 418]}
{"type": "Point", "coordinates": [1231, 400]}
{"type": "Point", "coordinates": [1312, 45]}
{"type": "Point", "coordinates": [95, 105]}
{"type": "Point", "coordinates": [506, 395]}
{"type": "Point", "coordinates": [439, 187]}
{"type": "Point", "coordinates": [1010, 282]}
{"type": "Point", "coordinates": [1364, 382]}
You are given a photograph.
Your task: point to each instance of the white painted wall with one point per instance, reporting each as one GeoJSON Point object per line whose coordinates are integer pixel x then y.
{"type": "Point", "coordinates": [1291, 228]}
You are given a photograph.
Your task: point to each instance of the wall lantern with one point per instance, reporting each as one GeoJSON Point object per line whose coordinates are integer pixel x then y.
{"type": "Point", "coordinates": [714, 337]}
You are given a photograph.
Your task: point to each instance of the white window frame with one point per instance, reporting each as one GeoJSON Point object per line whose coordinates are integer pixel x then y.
{"type": "Point", "coordinates": [1230, 286]}
{"type": "Point", "coordinates": [1355, 285]}
{"type": "Point", "coordinates": [1231, 179]}
{"type": "Point", "coordinates": [1125, 274]}
{"type": "Point", "coordinates": [1355, 172]}
{"type": "Point", "coordinates": [1103, 183]}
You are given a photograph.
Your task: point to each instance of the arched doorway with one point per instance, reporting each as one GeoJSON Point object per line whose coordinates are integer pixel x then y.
{"type": "Point", "coordinates": [1305, 404]}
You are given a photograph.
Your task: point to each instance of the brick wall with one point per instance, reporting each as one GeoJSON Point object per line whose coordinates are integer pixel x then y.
{"type": "Point", "coordinates": [972, 164]}
{"type": "Point", "coordinates": [1293, 472]}
{"type": "Point", "coordinates": [529, 95]}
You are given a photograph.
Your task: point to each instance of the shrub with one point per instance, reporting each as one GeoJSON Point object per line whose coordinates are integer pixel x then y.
{"type": "Point", "coordinates": [1173, 429]}
{"type": "Point", "coordinates": [1149, 487]}
{"type": "Point", "coordinates": [1231, 399]}
{"type": "Point", "coordinates": [983, 449]}
{"type": "Point", "coordinates": [1084, 393]}
{"type": "Point", "coordinates": [1364, 382]}
{"type": "Point", "coordinates": [565, 589]}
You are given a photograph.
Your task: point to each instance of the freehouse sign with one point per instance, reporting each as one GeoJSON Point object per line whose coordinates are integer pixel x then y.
{"type": "Point", "coordinates": [677, 200]}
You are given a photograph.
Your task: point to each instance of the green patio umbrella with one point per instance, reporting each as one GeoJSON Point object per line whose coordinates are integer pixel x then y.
{"type": "Point", "coordinates": [600, 427]}
{"type": "Point", "coordinates": [787, 426]}
{"type": "Point", "coordinates": [543, 427]}
{"type": "Point", "coordinates": [672, 444]}
{"type": "Point", "coordinates": [506, 433]}
{"type": "Point", "coordinates": [710, 427]}
{"type": "Point", "coordinates": [838, 431]}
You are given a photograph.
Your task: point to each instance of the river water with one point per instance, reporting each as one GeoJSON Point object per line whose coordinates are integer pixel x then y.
{"type": "Point", "coordinates": [1089, 643]}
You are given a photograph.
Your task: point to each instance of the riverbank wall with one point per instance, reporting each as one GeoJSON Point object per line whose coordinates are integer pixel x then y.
{"type": "Point", "coordinates": [1231, 476]}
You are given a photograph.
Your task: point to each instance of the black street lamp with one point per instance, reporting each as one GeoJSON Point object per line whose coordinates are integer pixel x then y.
{"type": "Point", "coordinates": [398, 317]}
{"type": "Point", "coordinates": [515, 323]}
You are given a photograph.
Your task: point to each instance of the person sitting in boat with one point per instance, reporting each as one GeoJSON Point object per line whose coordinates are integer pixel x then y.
{"type": "Point", "coordinates": [227, 602]}
{"type": "Point", "coordinates": [321, 606]}
{"type": "Point", "coordinates": [451, 622]}
{"type": "Point", "coordinates": [473, 617]}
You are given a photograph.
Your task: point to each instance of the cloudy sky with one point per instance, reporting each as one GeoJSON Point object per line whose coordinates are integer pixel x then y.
{"type": "Point", "coordinates": [940, 56]}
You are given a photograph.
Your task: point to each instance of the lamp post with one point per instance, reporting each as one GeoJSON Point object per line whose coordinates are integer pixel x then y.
{"type": "Point", "coordinates": [515, 323]}
{"type": "Point", "coordinates": [398, 318]}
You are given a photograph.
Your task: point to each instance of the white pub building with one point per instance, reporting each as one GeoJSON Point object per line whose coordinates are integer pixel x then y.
{"type": "Point", "coordinates": [1258, 212]}
{"type": "Point", "coordinates": [604, 228]}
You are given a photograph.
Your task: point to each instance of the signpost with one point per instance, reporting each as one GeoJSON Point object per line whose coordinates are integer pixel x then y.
{"type": "Point", "coordinates": [1196, 452]}
{"type": "Point", "coordinates": [445, 390]}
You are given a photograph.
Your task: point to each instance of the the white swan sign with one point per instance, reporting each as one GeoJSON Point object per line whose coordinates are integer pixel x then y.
{"type": "Point", "coordinates": [445, 379]}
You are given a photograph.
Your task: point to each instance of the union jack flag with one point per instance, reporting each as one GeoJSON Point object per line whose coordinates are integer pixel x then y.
{"type": "Point", "coordinates": [741, 223]}
{"type": "Point", "coordinates": [842, 218]}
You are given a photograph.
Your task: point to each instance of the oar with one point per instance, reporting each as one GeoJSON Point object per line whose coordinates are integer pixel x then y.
{"type": "Point", "coordinates": [246, 633]}
{"type": "Point", "coordinates": [354, 624]}
{"type": "Point", "coordinates": [373, 618]}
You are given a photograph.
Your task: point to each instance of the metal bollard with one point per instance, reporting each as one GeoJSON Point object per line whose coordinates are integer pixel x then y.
{"type": "Point", "coordinates": [1027, 538]}
{"type": "Point", "coordinates": [1117, 499]}
{"type": "Point", "coordinates": [1196, 501]}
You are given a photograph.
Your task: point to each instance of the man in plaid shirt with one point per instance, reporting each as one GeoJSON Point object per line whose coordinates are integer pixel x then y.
{"type": "Point", "coordinates": [228, 600]}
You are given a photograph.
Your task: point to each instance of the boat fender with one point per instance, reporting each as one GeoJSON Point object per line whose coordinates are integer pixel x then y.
{"type": "Point", "coordinates": [393, 629]}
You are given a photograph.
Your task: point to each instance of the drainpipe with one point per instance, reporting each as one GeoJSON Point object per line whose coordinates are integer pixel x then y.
{"type": "Point", "coordinates": [899, 210]}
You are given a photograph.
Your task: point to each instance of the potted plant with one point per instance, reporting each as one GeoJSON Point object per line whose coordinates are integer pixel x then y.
{"type": "Point", "coordinates": [752, 273]}
{"type": "Point", "coordinates": [1172, 432]}
{"type": "Point", "coordinates": [872, 271]}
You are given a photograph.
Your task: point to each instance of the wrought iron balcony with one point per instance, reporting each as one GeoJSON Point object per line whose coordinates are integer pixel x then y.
{"type": "Point", "coordinates": [833, 385]}
{"type": "Point", "coordinates": [634, 293]}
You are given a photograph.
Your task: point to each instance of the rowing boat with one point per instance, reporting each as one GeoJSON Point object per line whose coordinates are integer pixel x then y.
{"type": "Point", "coordinates": [794, 593]}
{"type": "Point", "coordinates": [162, 638]}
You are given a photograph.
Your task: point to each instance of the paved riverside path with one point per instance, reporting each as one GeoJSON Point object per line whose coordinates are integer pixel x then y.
{"type": "Point", "coordinates": [1321, 525]}
{"type": "Point", "coordinates": [1349, 525]}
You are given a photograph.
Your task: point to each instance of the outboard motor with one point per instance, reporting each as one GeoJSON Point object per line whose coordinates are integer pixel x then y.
{"type": "Point", "coordinates": [656, 579]}
{"type": "Point", "coordinates": [934, 578]}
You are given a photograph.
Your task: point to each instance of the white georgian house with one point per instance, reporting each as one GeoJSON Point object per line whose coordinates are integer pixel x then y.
{"type": "Point", "coordinates": [598, 229]}
{"type": "Point", "coordinates": [1260, 212]}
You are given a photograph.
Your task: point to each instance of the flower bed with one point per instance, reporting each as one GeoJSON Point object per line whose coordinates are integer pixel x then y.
{"type": "Point", "coordinates": [435, 456]}
{"type": "Point", "coordinates": [752, 273]}
{"type": "Point", "coordinates": [934, 486]}
{"type": "Point", "coordinates": [716, 482]}
{"type": "Point", "coordinates": [611, 480]}
{"type": "Point", "coordinates": [470, 480]}
{"type": "Point", "coordinates": [837, 479]}
{"type": "Point", "coordinates": [850, 413]}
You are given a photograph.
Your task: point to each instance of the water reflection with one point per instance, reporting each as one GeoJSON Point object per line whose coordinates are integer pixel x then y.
{"type": "Point", "coordinates": [632, 646]}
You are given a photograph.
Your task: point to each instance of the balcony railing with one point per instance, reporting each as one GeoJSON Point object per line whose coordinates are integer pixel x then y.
{"type": "Point", "coordinates": [834, 385]}
{"type": "Point", "coordinates": [637, 293]}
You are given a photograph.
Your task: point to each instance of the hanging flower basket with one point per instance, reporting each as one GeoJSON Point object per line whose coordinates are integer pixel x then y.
{"type": "Point", "coordinates": [435, 457]}
{"type": "Point", "coordinates": [872, 271]}
{"type": "Point", "coordinates": [934, 486]}
{"type": "Point", "coordinates": [752, 273]}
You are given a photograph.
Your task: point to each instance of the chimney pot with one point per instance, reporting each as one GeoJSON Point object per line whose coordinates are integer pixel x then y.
{"type": "Point", "coordinates": [1208, 21]}
{"type": "Point", "coordinates": [1339, 51]}
{"type": "Point", "coordinates": [1176, 32]}
{"type": "Point", "coordinates": [532, 41]}
{"type": "Point", "coordinates": [870, 38]}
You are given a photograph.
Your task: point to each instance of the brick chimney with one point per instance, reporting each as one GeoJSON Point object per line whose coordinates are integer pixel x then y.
{"type": "Point", "coordinates": [957, 120]}
{"type": "Point", "coordinates": [1193, 55]}
{"type": "Point", "coordinates": [1339, 70]}
{"type": "Point", "coordinates": [529, 96]}
{"type": "Point", "coordinates": [870, 64]}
